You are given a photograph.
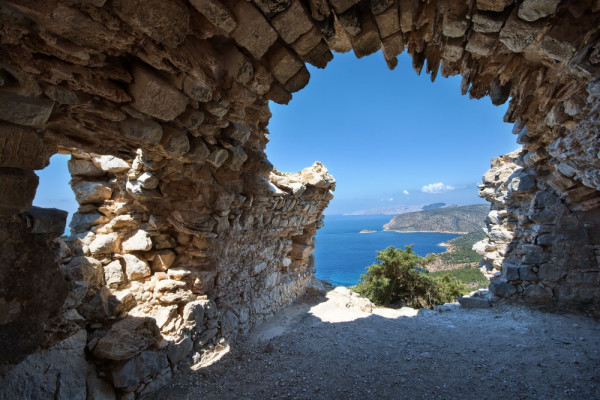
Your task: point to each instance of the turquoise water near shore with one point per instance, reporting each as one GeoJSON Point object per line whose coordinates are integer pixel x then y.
{"type": "Point", "coordinates": [342, 253]}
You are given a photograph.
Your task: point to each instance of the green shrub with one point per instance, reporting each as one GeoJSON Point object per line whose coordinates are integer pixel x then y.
{"type": "Point", "coordinates": [394, 279]}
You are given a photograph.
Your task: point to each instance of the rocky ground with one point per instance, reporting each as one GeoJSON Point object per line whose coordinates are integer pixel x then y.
{"type": "Point", "coordinates": [334, 348]}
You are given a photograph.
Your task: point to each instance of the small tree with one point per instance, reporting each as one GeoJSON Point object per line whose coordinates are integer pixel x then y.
{"type": "Point", "coordinates": [395, 279]}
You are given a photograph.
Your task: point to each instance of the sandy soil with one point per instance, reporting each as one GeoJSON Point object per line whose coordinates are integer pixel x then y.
{"type": "Point", "coordinates": [325, 348]}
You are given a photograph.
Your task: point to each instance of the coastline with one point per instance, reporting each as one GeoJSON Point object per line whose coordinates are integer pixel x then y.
{"type": "Point", "coordinates": [453, 232]}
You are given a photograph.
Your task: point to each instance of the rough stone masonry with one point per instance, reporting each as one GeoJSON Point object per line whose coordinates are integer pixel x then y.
{"type": "Point", "coordinates": [186, 236]}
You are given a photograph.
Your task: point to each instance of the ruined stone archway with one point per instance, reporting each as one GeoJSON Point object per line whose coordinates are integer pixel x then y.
{"type": "Point", "coordinates": [178, 92]}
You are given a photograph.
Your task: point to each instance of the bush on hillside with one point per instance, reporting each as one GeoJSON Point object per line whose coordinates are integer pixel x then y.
{"type": "Point", "coordinates": [394, 279]}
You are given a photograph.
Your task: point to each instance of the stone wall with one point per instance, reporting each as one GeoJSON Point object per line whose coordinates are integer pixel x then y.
{"type": "Point", "coordinates": [186, 235]}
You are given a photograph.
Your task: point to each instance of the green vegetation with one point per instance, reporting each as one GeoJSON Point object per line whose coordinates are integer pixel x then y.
{"type": "Point", "coordinates": [462, 252]}
{"type": "Point", "coordinates": [395, 279]}
{"type": "Point", "coordinates": [469, 278]}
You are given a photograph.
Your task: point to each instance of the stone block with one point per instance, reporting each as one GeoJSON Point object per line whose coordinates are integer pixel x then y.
{"type": "Point", "coordinates": [551, 272]}
{"type": "Point", "coordinates": [217, 13]}
{"type": "Point", "coordinates": [62, 95]}
{"type": "Point", "coordinates": [58, 372]}
{"type": "Point", "coordinates": [493, 5]}
{"type": "Point", "coordinates": [82, 167]}
{"type": "Point", "coordinates": [350, 21]}
{"type": "Point", "coordinates": [253, 32]}
{"type": "Point", "coordinates": [320, 55]}
{"type": "Point", "coordinates": [342, 5]}
{"type": "Point", "coordinates": [388, 21]}
{"type": "Point", "coordinates": [175, 142]}
{"type": "Point", "coordinates": [526, 273]}
{"type": "Point", "coordinates": [272, 7]}
{"type": "Point", "coordinates": [502, 288]}
{"type": "Point", "coordinates": [113, 273]}
{"type": "Point", "coordinates": [19, 190]}
{"type": "Point", "coordinates": [453, 51]}
{"type": "Point", "coordinates": [179, 349]}
{"type": "Point", "coordinates": [319, 9]}
{"type": "Point", "coordinates": [139, 241]}
{"type": "Point", "coordinates": [379, 6]}
{"type": "Point", "coordinates": [487, 22]}
{"type": "Point", "coordinates": [368, 40]}
{"type": "Point", "coordinates": [27, 111]}
{"type": "Point", "coordinates": [110, 164]}
{"type": "Point", "coordinates": [510, 272]}
{"type": "Point", "coordinates": [517, 34]}
{"type": "Point", "coordinates": [163, 260]}
{"type": "Point", "coordinates": [23, 148]}
{"type": "Point", "coordinates": [392, 46]}
{"type": "Point", "coordinates": [82, 222]}
{"type": "Point", "coordinates": [145, 131]}
{"type": "Point", "coordinates": [49, 221]}
{"type": "Point", "coordinates": [91, 192]}
{"type": "Point", "coordinates": [127, 338]}
{"type": "Point", "coordinates": [135, 267]}
{"type": "Point", "coordinates": [284, 64]}
{"type": "Point", "coordinates": [556, 49]}
{"type": "Point", "coordinates": [335, 35]}
{"type": "Point", "coordinates": [532, 10]}
{"type": "Point", "coordinates": [155, 96]}
{"type": "Point", "coordinates": [408, 13]}
{"type": "Point", "coordinates": [199, 152]}
{"type": "Point", "coordinates": [238, 65]}
{"type": "Point", "coordinates": [199, 86]}
{"type": "Point", "coordinates": [85, 269]}
{"type": "Point", "coordinates": [538, 293]}
{"type": "Point", "coordinates": [308, 41]}
{"type": "Point", "coordinates": [133, 372]}
{"type": "Point", "coordinates": [454, 26]}
{"type": "Point", "coordinates": [298, 81]}
{"type": "Point", "coordinates": [105, 243]}
{"type": "Point", "coordinates": [217, 157]}
{"type": "Point", "coordinates": [480, 44]}
{"type": "Point", "coordinates": [165, 22]}
{"type": "Point", "coordinates": [292, 22]}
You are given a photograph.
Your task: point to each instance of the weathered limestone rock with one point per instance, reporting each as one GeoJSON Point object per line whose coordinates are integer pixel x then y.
{"type": "Point", "coordinates": [532, 10]}
{"type": "Point", "coordinates": [135, 268]}
{"type": "Point", "coordinates": [91, 192]}
{"type": "Point", "coordinates": [110, 164]}
{"type": "Point", "coordinates": [154, 96]}
{"type": "Point", "coordinates": [139, 368]}
{"type": "Point", "coordinates": [23, 148]}
{"type": "Point", "coordinates": [22, 110]}
{"type": "Point", "coordinates": [105, 243]}
{"type": "Point", "coordinates": [58, 372]}
{"type": "Point", "coordinates": [139, 241]}
{"type": "Point", "coordinates": [127, 338]}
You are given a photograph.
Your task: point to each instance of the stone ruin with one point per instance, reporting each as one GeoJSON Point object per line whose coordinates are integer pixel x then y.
{"type": "Point", "coordinates": [186, 236]}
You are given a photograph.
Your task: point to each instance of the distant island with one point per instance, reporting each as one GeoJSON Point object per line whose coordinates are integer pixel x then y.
{"type": "Point", "coordinates": [453, 219]}
{"type": "Point", "coordinates": [399, 209]}
{"type": "Point", "coordinates": [367, 231]}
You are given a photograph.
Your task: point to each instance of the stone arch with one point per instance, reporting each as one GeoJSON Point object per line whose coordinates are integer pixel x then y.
{"type": "Point", "coordinates": [178, 92]}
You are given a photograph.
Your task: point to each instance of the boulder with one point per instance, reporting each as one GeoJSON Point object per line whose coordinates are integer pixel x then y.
{"type": "Point", "coordinates": [127, 338]}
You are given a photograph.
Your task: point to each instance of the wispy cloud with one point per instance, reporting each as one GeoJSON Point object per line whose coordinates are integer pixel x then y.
{"type": "Point", "coordinates": [406, 192]}
{"type": "Point", "coordinates": [391, 199]}
{"type": "Point", "coordinates": [435, 188]}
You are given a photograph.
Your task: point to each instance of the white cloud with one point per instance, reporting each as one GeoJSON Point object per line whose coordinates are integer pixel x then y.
{"type": "Point", "coordinates": [406, 192]}
{"type": "Point", "coordinates": [391, 199]}
{"type": "Point", "coordinates": [438, 187]}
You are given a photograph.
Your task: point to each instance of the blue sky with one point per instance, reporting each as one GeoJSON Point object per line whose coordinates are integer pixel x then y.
{"type": "Point", "coordinates": [388, 137]}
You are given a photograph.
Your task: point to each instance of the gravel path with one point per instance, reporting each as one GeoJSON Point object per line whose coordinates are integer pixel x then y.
{"type": "Point", "coordinates": [320, 349]}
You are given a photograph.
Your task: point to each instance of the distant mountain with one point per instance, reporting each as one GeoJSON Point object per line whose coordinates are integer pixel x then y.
{"type": "Point", "coordinates": [447, 219]}
{"type": "Point", "coordinates": [399, 209]}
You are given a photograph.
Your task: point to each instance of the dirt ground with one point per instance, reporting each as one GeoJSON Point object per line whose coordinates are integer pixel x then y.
{"type": "Point", "coordinates": [325, 348]}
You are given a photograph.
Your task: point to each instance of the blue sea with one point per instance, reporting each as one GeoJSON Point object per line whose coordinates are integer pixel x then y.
{"type": "Point", "coordinates": [342, 254]}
